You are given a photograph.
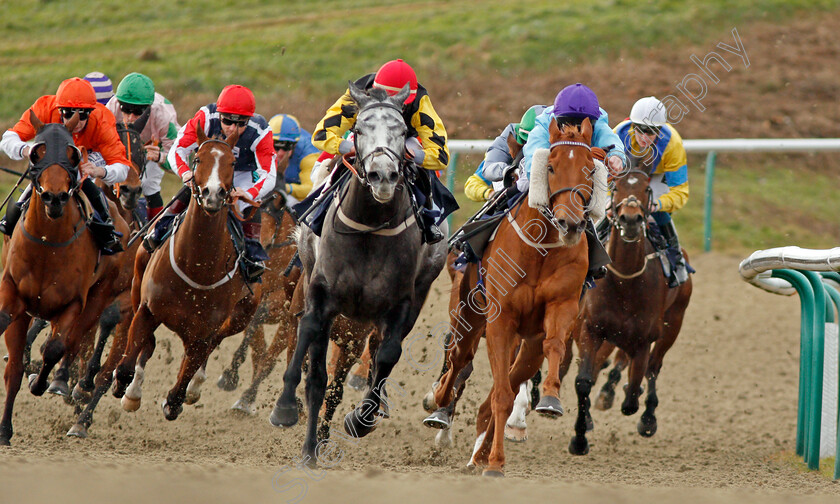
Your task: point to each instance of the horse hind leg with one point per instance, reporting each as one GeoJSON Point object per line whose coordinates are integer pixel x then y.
{"type": "Point", "coordinates": [638, 369]}
{"type": "Point", "coordinates": [358, 379]}
{"type": "Point", "coordinates": [229, 379]}
{"type": "Point", "coordinates": [193, 393]}
{"type": "Point", "coordinates": [132, 395]}
{"type": "Point", "coordinates": [15, 342]}
{"type": "Point", "coordinates": [606, 396]}
{"type": "Point", "coordinates": [195, 358]}
{"type": "Point", "coordinates": [32, 333]}
{"type": "Point", "coordinates": [264, 361]}
{"type": "Point", "coordinates": [345, 355]}
{"type": "Point", "coordinates": [109, 320]}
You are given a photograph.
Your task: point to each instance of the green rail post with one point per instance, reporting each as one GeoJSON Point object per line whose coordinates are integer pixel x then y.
{"type": "Point", "coordinates": [806, 302]}
{"type": "Point", "coordinates": [450, 183]}
{"type": "Point", "coordinates": [707, 212]}
{"type": "Point", "coordinates": [816, 369]}
{"type": "Point", "coordinates": [835, 296]}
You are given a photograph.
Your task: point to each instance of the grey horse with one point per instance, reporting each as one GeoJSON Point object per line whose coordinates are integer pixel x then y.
{"type": "Point", "coordinates": [369, 265]}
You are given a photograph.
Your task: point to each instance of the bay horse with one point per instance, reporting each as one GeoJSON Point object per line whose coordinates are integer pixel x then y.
{"type": "Point", "coordinates": [53, 269]}
{"type": "Point", "coordinates": [632, 309]}
{"type": "Point", "coordinates": [370, 265]}
{"type": "Point", "coordinates": [533, 277]}
{"type": "Point", "coordinates": [191, 284]}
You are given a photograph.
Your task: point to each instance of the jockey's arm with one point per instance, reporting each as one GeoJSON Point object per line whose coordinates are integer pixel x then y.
{"type": "Point", "coordinates": [604, 137]}
{"type": "Point", "coordinates": [112, 150]}
{"type": "Point", "coordinates": [675, 165]}
{"type": "Point", "coordinates": [497, 159]}
{"type": "Point", "coordinates": [432, 135]}
{"type": "Point", "coordinates": [477, 189]}
{"type": "Point", "coordinates": [15, 139]}
{"type": "Point", "coordinates": [265, 172]}
{"type": "Point", "coordinates": [301, 189]}
{"type": "Point", "coordinates": [13, 146]}
{"type": "Point", "coordinates": [340, 117]}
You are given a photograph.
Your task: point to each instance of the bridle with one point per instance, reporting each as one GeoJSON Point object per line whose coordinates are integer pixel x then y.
{"type": "Point", "coordinates": [357, 167]}
{"type": "Point", "coordinates": [632, 202]}
{"type": "Point", "coordinates": [547, 213]}
{"type": "Point", "coordinates": [194, 189]}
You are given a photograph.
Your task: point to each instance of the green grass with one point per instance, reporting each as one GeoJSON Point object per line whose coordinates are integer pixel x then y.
{"type": "Point", "coordinates": [791, 459]}
{"type": "Point", "coordinates": [194, 48]}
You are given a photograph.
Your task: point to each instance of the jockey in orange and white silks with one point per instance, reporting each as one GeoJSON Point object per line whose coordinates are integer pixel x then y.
{"type": "Point", "coordinates": [648, 136]}
{"type": "Point", "coordinates": [254, 170]}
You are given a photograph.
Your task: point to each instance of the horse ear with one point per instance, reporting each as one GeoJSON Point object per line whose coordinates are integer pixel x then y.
{"type": "Point", "coordinates": [71, 124]}
{"type": "Point", "coordinates": [232, 138]}
{"type": "Point", "coordinates": [141, 121]}
{"type": "Point", "coordinates": [36, 123]}
{"type": "Point", "coordinates": [553, 130]}
{"type": "Point", "coordinates": [358, 94]}
{"type": "Point", "coordinates": [201, 137]}
{"type": "Point", "coordinates": [513, 145]}
{"type": "Point", "coordinates": [37, 152]}
{"type": "Point", "coordinates": [400, 97]}
{"type": "Point", "coordinates": [586, 130]}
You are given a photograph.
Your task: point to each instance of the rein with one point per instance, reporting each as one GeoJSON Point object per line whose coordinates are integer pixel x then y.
{"type": "Point", "coordinates": [183, 276]}
{"type": "Point", "coordinates": [622, 276]}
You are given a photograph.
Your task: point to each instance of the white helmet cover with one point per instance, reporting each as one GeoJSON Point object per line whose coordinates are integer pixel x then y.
{"type": "Point", "coordinates": [649, 111]}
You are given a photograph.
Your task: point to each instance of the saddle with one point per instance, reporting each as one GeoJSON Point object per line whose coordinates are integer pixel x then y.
{"type": "Point", "coordinates": [472, 238]}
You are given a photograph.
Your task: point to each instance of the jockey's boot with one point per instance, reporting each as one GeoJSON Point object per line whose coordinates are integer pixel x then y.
{"type": "Point", "coordinates": [679, 271]}
{"type": "Point", "coordinates": [603, 229]}
{"type": "Point", "coordinates": [154, 204]}
{"type": "Point", "coordinates": [428, 217]}
{"type": "Point", "coordinates": [253, 263]}
{"type": "Point", "coordinates": [14, 211]}
{"type": "Point", "coordinates": [598, 257]}
{"type": "Point", "coordinates": [156, 235]}
{"type": "Point", "coordinates": [101, 226]}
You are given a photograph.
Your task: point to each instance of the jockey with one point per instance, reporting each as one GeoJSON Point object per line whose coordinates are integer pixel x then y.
{"type": "Point", "coordinates": [101, 85]}
{"type": "Point", "coordinates": [295, 156]}
{"type": "Point", "coordinates": [572, 105]}
{"type": "Point", "coordinates": [425, 140]}
{"type": "Point", "coordinates": [254, 172]}
{"type": "Point", "coordinates": [136, 94]}
{"type": "Point", "coordinates": [482, 184]}
{"type": "Point", "coordinates": [648, 136]}
{"type": "Point", "coordinates": [96, 131]}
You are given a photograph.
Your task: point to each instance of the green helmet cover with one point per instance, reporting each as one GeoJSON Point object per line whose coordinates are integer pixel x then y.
{"type": "Point", "coordinates": [136, 89]}
{"type": "Point", "coordinates": [526, 124]}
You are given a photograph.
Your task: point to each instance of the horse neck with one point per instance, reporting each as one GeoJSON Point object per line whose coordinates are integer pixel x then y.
{"type": "Point", "coordinates": [54, 230]}
{"type": "Point", "coordinates": [359, 204]}
{"type": "Point", "coordinates": [627, 257]}
{"type": "Point", "coordinates": [202, 244]}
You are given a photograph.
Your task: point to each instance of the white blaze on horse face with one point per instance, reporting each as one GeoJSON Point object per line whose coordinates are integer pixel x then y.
{"type": "Point", "coordinates": [632, 181]}
{"type": "Point", "coordinates": [214, 183]}
{"type": "Point", "coordinates": [571, 154]}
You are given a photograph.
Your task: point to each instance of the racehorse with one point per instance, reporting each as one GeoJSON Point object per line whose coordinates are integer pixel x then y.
{"type": "Point", "coordinates": [533, 276]}
{"type": "Point", "coordinates": [190, 284]}
{"type": "Point", "coordinates": [370, 265]}
{"type": "Point", "coordinates": [53, 268]}
{"type": "Point", "coordinates": [632, 308]}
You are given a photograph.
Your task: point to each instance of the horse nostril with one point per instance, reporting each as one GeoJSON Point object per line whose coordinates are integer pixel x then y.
{"type": "Point", "coordinates": [640, 219]}
{"type": "Point", "coordinates": [64, 197]}
{"type": "Point", "coordinates": [393, 177]}
{"type": "Point", "coordinates": [373, 177]}
{"type": "Point", "coordinates": [205, 193]}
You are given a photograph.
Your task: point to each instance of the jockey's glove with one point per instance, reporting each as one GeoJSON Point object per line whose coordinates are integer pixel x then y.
{"type": "Point", "coordinates": [345, 146]}
{"type": "Point", "coordinates": [415, 150]}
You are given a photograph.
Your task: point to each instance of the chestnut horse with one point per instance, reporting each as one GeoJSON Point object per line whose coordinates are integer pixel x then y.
{"type": "Point", "coordinates": [632, 309]}
{"type": "Point", "coordinates": [533, 273]}
{"type": "Point", "coordinates": [53, 268]}
{"type": "Point", "coordinates": [191, 284]}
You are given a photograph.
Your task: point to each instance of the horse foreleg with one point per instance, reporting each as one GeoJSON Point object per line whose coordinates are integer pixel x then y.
{"type": "Point", "coordinates": [193, 393]}
{"type": "Point", "coordinates": [55, 347]}
{"type": "Point", "coordinates": [32, 333]}
{"type": "Point", "coordinates": [467, 330]}
{"type": "Point", "coordinates": [142, 329]}
{"type": "Point", "coordinates": [638, 368]}
{"type": "Point", "coordinates": [15, 343]}
{"type": "Point", "coordinates": [194, 358]}
{"type": "Point", "coordinates": [359, 378]}
{"type": "Point", "coordinates": [607, 394]}
{"type": "Point", "coordinates": [134, 393]}
{"type": "Point", "coordinates": [559, 319]}
{"type": "Point", "coordinates": [265, 359]}
{"type": "Point", "coordinates": [647, 423]}
{"type": "Point", "coordinates": [589, 345]}
{"type": "Point", "coordinates": [230, 377]}
{"type": "Point", "coordinates": [344, 355]}
{"type": "Point", "coordinates": [109, 320]}
{"type": "Point", "coordinates": [499, 349]}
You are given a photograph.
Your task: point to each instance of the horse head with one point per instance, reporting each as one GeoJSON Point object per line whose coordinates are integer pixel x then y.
{"type": "Point", "coordinates": [379, 136]}
{"type": "Point", "coordinates": [631, 200]}
{"type": "Point", "coordinates": [131, 189]}
{"type": "Point", "coordinates": [561, 188]}
{"type": "Point", "coordinates": [54, 163]}
{"type": "Point", "coordinates": [213, 171]}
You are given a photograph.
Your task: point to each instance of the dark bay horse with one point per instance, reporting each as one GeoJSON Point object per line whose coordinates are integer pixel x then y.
{"type": "Point", "coordinates": [632, 309]}
{"type": "Point", "coordinates": [369, 265]}
{"type": "Point", "coordinates": [533, 276]}
{"type": "Point", "coordinates": [53, 269]}
{"type": "Point", "coordinates": [190, 284]}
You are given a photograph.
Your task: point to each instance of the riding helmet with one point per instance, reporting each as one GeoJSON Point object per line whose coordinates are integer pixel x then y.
{"type": "Point", "coordinates": [76, 93]}
{"type": "Point", "coordinates": [236, 100]}
{"type": "Point", "coordinates": [136, 89]}
{"type": "Point", "coordinates": [285, 127]}
{"type": "Point", "coordinates": [526, 124]}
{"type": "Point", "coordinates": [101, 85]}
{"type": "Point", "coordinates": [392, 76]}
{"type": "Point", "coordinates": [578, 101]}
{"type": "Point", "coordinates": [649, 111]}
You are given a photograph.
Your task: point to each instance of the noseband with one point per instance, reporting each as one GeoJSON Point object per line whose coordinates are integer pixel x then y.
{"type": "Point", "coordinates": [548, 213]}
{"type": "Point", "coordinates": [633, 202]}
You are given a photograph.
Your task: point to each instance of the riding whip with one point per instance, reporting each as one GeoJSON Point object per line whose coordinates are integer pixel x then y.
{"type": "Point", "coordinates": [22, 176]}
{"type": "Point", "coordinates": [142, 230]}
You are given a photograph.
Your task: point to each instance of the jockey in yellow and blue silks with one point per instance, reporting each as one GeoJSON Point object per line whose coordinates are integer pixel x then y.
{"type": "Point", "coordinates": [295, 154]}
{"type": "Point", "coordinates": [487, 178]}
{"type": "Point", "coordinates": [659, 148]}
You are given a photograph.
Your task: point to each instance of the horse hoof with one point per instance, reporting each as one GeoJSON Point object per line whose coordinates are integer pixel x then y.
{"type": "Point", "coordinates": [429, 402]}
{"type": "Point", "coordinates": [492, 473]}
{"type": "Point", "coordinates": [579, 446]}
{"type": "Point", "coordinates": [130, 404]}
{"type": "Point", "coordinates": [443, 439]}
{"type": "Point", "coordinates": [192, 397]}
{"type": "Point", "coordinates": [438, 420]}
{"type": "Point", "coordinates": [80, 395]}
{"type": "Point", "coordinates": [284, 416]}
{"type": "Point", "coordinates": [169, 412]}
{"type": "Point", "coordinates": [6, 358]}
{"type": "Point", "coordinates": [5, 442]}
{"type": "Point", "coordinates": [60, 388]}
{"type": "Point", "coordinates": [356, 427]}
{"type": "Point", "coordinates": [356, 382]}
{"type": "Point", "coordinates": [647, 426]}
{"type": "Point", "coordinates": [78, 430]}
{"type": "Point", "coordinates": [604, 401]}
{"type": "Point", "coordinates": [629, 409]}
{"type": "Point", "coordinates": [244, 406]}
{"type": "Point", "coordinates": [516, 434]}
{"type": "Point", "coordinates": [228, 381]}
{"type": "Point", "coordinates": [549, 407]}
{"type": "Point", "coordinates": [34, 387]}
